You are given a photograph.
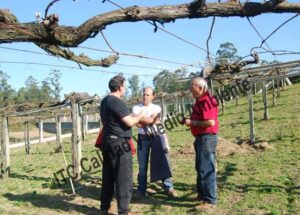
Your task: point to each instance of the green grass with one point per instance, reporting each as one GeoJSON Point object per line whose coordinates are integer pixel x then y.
{"type": "Point", "coordinates": [251, 181]}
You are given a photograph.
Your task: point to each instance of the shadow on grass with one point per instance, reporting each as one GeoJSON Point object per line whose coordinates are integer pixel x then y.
{"type": "Point", "coordinates": [234, 124]}
{"type": "Point", "coordinates": [228, 171]}
{"type": "Point", "coordinates": [28, 177]}
{"type": "Point", "coordinates": [285, 137]}
{"type": "Point", "coordinates": [290, 191]}
{"type": "Point", "coordinates": [155, 199]}
{"type": "Point", "coordinates": [86, 187]}
{"type": "Point", "coordinates": [51, 202]}
{"type": "Point", "coordinates": [160, 198]}
{"type": "Point", "coordinates": [274, 118]}
{"type": "Point", "coordinates": [49, 153]}
{"type": "Point", "coordinates": [89, 190]}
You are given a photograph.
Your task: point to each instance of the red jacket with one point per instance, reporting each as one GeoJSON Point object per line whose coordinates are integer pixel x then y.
{"type": "Point", "coordinates": [205, 108]}
{"type": "Point", "coordinates": [99, 140]}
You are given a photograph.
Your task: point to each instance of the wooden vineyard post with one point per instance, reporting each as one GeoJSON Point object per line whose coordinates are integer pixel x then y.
{"type": "Point", "coordinates": [84, 125]}
{"type": "Point", "coordinates": [26, 138]}
{"type": "Point", "coordinates": [178, 106]}
{"type": "Point", "coordinates": [182, 105]}
{"type": "Point", "coordinates": [5, 161]}
{"type": "Point", "coordinates": [265, 100]}
{"type": "Point", "coordinates": [273, 93]}
{"type": "Point", "coordinates": [81, 117]}
{"type": "Point", "coordinates": [278, 87]}
{"type": "Point", "coordinates": [58, 133]}
{"type": "Point", "coordinates": [211, 86]}
{"type": "Point", "coordinates": [163, 108]}
{"type": "Point", "coordinates": [76, 141]}
{"type": "Point", "coordinates": [283, 83]}
{"type": "Point", "coordinates": [100, 122]}
{"type": "Point", "coordinates": [222, 102]}
{"type": "Point", "coordinates": [251, 117]}
{"type": "Point", "coordinates": [174, 105]}
{"type": "Point", "coordinates": [41, 131]}
{"type": "Point", "coordinates": [237, 100]}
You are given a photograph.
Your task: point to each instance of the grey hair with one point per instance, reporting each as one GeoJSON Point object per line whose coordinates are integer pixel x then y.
{"type": "Point", "coordinates": [201, 82]}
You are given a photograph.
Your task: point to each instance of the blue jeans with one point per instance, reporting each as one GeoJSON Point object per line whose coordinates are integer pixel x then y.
{"type": "Point", "coordinates": [143, 150]}
{"type": "Point", "coordinates": [205, 147]}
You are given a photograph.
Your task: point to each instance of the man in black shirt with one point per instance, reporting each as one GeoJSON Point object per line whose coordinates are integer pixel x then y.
{"type": "Point", "coordinates": [117, 156]}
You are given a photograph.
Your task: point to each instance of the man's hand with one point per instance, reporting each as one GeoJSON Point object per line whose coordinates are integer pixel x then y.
{"type": "Point", "coordinates": [167, 149]}
{"type": "Point", "coordinates": [141, 125]}
{"type": "Point", "coordinates": [200, 123]}
{"type": "Point", "coordinates": [188, 122]}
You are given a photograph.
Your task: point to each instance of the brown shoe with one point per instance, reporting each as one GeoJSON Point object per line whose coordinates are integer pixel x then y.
{"type": "Point", "coordinates": [110, 211]}
{"type": "Point", "coordinates": [172, 193]}
{"type": "Point", "coordinates": [205, 206]}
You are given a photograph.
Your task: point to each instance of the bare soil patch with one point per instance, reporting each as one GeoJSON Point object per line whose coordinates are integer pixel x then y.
{"type": "Point", "coordinates": [224, 148]}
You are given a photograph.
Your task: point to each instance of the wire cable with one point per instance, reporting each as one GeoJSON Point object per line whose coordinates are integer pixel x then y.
{"type": "Point", "coordinates": [168, 32]}
{"type": "Point", "coordinates": [68, 67]}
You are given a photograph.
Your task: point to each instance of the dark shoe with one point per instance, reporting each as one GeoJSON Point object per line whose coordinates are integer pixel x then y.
{"type": "Point", "coordinates": [205, 206]}
{"type": "Point", "coordinates": [108, 212]}
{"type": "Point", "coordinates": [139, 196]}
{"type": "Point", "coordinates": [172, 193]}
{"type": "Point", "coordinates": [198, 198]}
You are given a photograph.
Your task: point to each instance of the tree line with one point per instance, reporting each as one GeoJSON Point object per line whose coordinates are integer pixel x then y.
{"type": "Point", "coordinates": [33, 91]}
{"type": "Point", "coordinates": [167, 81]}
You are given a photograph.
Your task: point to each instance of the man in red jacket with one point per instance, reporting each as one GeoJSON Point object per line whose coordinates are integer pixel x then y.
{"type": "Point", "coordinates": [204, 127]}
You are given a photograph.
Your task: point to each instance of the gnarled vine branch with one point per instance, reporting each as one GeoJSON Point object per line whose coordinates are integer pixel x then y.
{"type": "Point", "coordinates": [54, 39]}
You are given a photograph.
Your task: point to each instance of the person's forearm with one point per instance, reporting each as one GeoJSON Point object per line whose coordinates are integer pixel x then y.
{"type": "Point", "coordinates": [202, 123]}
{"type": "Point", "coordinates": [147, 120]}
{"type": "Point", "coordinates": [150, 120]}
{"type": "Point", "coordinates": [132, 120]}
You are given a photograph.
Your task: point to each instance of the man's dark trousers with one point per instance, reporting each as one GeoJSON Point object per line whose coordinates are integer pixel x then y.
{"type": "Point", "coordinates": [117, 170]}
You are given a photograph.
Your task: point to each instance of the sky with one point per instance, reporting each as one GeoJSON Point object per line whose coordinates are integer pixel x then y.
{"type": "Point", "coordinates": [139, 38]}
